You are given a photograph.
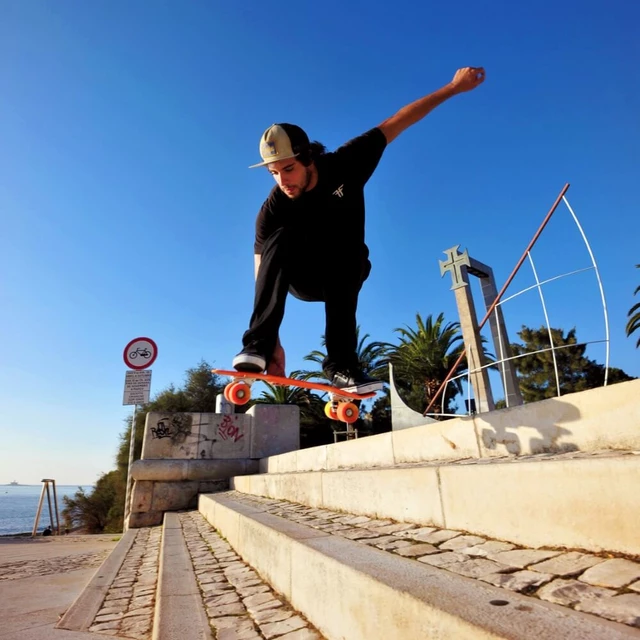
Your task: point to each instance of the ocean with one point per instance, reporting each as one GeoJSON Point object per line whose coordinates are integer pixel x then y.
{"type": "Point", "coordinates": [19, 506]}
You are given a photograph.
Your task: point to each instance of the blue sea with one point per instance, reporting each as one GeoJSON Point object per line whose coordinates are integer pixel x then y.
{"type": "Point", "coordinates": [19, 506]}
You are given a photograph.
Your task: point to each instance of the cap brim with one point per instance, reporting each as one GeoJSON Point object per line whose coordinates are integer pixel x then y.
{"type": "Point", "coordinates": [266, 162]}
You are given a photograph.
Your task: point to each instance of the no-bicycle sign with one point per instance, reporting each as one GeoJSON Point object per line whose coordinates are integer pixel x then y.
{"type": "Point", "coordinates": [140, 353]}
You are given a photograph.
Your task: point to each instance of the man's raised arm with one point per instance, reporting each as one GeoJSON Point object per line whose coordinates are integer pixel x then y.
{"type": "Point", "coordinates": [465, 79]}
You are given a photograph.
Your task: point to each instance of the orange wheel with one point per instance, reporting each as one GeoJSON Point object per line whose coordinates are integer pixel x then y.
{"type": "Point", "coordinates": [226, 391]}
{"type": "Point", "coordinates": [347, 412]}
{"type": "Point", "coordinates": [239, 393]}
{"type": "Point", "coordinates": [330, 412]}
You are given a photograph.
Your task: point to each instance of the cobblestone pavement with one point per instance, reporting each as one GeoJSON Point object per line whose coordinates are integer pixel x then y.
{"type": "Point", "coordinates": [601, 584]}
{"type": "Point", "coordinates": [127, 611]}
{"type": "Point", "coordinates": [48, 566]}
{"type": "Point", "coordinates": [239, 605]}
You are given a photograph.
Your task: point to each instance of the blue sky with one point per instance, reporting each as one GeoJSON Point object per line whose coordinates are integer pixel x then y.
{"type": "Point", "coordinates": [128, 209]}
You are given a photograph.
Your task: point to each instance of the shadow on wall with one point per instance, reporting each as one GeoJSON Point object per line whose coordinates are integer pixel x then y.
{"type": "Point", "coordinates": [522, 430]}
{"type": "Point", "coordinates": [533, 428]}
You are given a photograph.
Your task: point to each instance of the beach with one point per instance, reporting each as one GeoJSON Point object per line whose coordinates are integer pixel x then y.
{"type": "Point", "coordinates": [41, 577]}
{"type": "Point", "coordinates": [19, 506]}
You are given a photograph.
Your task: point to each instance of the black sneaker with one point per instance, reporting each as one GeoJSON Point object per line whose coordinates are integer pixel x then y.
{"type": "Point", "coordinates": [250, 360]}
{"type": "Point", "coordinates": [357, 382]}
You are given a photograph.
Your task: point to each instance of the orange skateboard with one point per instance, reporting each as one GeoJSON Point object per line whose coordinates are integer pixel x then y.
{"type": "Point", "coordinates": [338, 408]}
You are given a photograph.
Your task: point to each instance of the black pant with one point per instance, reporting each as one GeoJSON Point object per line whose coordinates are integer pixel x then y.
{"type": "Point", "coordinates": [288, 266]}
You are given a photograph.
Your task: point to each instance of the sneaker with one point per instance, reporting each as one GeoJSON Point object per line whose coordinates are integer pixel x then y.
{"type": "Point", "coordinates": [357, 382]}
{"type": "Point", "coordinates": [249, 360]}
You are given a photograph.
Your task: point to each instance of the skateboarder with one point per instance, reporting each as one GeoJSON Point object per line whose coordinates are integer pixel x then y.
{"type": "Point", "coordinates": [310, 236]}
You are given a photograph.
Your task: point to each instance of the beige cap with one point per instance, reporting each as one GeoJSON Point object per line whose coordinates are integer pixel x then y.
{"type": "Point", "coordinates": [281, 142]}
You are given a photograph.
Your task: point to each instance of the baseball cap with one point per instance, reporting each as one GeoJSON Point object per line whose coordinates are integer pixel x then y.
{"type": "Point", "coordinates": [280, 142]}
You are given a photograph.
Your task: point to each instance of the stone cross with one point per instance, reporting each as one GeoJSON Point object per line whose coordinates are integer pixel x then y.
{"type": "Point", "coordinates": [454, 263]}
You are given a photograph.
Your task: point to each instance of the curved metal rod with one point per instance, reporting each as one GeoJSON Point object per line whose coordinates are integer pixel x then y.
{"type": "Point", "coordinates": [604, 303]}
{"type": "Point", "coordinates": [546, 319]}
{"type": "Point", "coordinates": [534, 286]}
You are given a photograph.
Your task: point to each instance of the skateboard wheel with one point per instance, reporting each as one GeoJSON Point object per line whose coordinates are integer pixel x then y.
{"type": "Point", "coordinates": [330, 412]}
{"type": "Point", "coordinates": [347, 412]}
{"type": "Point", "coordinates": [226, 391]}
{"type": "Point", "coordinates": [239, 393]}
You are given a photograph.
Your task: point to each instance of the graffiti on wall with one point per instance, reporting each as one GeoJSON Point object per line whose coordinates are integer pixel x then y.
{"type": "Point", "coordinates": [228, 430]}
{"type": "Point", "coordinates": [177, 427]}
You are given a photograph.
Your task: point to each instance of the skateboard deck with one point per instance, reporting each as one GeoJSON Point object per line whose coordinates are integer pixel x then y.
{"type": "Point", "coordinates": [338, 408]}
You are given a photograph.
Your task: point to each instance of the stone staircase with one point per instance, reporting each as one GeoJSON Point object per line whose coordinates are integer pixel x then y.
{"type": "Point", "coordinates": [519, 524]}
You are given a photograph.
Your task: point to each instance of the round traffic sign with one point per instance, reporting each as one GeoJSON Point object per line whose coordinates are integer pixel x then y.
{"type": "Point", "coordinates": [140, 353]}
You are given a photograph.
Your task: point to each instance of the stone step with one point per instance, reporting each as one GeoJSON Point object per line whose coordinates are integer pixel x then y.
{"type": "Point", "coordinates": [239, 604]}
{"type": "Point", "coordinates": [182, 581]}
{"type": "Point", "coordinates": [179, 611]}
{"type": "Point", "coordinates": [574, 500]}
{"type": "Point", "coordinates": [119, 600]}
{"type": "Point", "coordinates": [359, 579]}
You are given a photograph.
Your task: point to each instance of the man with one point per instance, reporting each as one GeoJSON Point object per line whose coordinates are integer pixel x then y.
{"type": "Point", "coordinates": [310, 236]}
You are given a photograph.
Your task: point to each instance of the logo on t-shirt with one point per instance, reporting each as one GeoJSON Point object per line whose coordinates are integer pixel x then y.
{"type": "Point", "coordinates": [339, 192]}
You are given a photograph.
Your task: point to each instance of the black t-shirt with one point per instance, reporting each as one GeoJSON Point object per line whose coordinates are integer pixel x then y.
{"type": "Point", "coordinates": [335, 207]}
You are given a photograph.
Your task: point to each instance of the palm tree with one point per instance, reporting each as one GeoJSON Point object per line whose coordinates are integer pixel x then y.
{"type": "Point", "coordinates": [422, 360]}
{"type": "Point", "coordinates": [278, 394]}
{"type": "Point", "coordinates": [371, 357]}
{"type": "Point", "coordinates": [634, 316]}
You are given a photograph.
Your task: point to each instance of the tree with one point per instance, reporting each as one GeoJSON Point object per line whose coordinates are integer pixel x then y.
{"type": "Point", "coordinates": [633, 323]}
{"type": "Point", "coordinates": [423, 358]}
{"type": "Point", "coordinates": [94, 512]}
{"type": "Point", "coordinates": [103, 508]}
{"type": "Point", "coordinates": [576, 372]}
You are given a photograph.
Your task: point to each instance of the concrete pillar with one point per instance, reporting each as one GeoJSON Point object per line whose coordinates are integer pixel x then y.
{"type": "Point", "coordinates": [512, 394]}
{"type": "Point", "coordinates": [457, 264]}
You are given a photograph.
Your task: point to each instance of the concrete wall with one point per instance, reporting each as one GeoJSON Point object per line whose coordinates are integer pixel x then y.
{"type": "Point", "coordinates": [184, 454]}
{"type": "Point", "coordinates": [607, 418]}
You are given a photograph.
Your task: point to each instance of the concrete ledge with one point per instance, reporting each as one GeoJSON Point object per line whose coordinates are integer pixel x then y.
{"type": "Point", "coordinates": [350, 590]}
{"type": "Point", "coordinates": [607, 418]}
{"type": "Point", "coordinates": [589, 503]}
{"type": "Point", "coordinates": [82, 612]}
{"type": "Point", "coordinates": [179, 612]}
{"type": "Point", "coordinates": [190, 470]}
{"type": "Point", "coordinates": [171, 485]}
{"type": "Point", "coordinates": [150, 500]}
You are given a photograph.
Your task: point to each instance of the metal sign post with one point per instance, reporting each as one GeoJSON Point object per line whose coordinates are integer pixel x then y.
{"type": "Point", "coordinates": [139, 355]}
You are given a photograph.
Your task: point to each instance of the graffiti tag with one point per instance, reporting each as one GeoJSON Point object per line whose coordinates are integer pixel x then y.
{"type": "Point", "coordinates": [176, 427]}
{"type": "Point", "coordinates": [161, 431]}
{"type": "Point", "coordinates": [227, 430]}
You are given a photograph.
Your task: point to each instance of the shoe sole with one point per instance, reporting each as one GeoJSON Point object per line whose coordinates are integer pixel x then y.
{"type": "Point", "coordinates": [248, 363]}
{"type": "Point", "coordinates": [245, 368]}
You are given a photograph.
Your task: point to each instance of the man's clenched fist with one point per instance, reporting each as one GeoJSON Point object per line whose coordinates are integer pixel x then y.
{"type": "Point", "coordinates": [468, 78]}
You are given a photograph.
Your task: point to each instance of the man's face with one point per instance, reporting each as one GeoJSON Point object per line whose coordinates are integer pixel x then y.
{"type": "Point", "coordinates": [292, 176]}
